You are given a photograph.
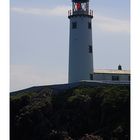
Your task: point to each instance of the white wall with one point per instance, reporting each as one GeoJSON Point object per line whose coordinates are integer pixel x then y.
{"type": "Point", "coordinates": [80, 60]}
{"type": "Point", "coordinates": [108, 77]}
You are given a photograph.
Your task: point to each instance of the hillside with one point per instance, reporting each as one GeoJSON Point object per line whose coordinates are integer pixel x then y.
{"type": "Point", "coordinates": [80, 113]}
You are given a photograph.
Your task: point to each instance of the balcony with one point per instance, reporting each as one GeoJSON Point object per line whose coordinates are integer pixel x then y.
{"type": "Point", "coordinates": [72, 13]}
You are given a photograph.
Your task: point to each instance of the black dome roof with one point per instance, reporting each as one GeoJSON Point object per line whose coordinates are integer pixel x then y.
{"type": "Point", "coordinates": [80, 0]}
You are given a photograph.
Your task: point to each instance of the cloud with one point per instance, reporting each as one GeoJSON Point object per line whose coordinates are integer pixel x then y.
{"type": "Point", "coordinates": [109, 24]}
{"type": "Point", "coordinates": [24, 76]}
{"type": "Point", "coordinates": [57, 11]}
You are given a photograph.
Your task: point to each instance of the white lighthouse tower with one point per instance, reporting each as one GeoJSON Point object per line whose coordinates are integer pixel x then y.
{"type": "Point", "coordinates": [80, 43]}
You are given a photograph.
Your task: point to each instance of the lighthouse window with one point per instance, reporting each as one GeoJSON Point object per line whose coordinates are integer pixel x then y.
{"type": "Point", "coordinates": [89, 25]}
{"type": "Point", "coordinates": [91, 76]}
{"type": "Point", "coordinates": [90, 49]}
{"type": "Point", "coordinates": [74, 25]}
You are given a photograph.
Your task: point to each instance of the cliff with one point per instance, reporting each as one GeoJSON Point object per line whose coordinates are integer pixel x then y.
{"type": "Point", "coordinates": [80, 113]}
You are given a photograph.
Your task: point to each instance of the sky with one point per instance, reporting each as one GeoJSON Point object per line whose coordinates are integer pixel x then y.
{"type": "Point", "coordinates": [39, 41]}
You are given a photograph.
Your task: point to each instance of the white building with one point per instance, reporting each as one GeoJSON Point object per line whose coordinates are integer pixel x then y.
{"type": "Point", "coordinates": [81, 49]}
{"type": "Point", "coordinates": [80, 45]}
{"type": "Point", "coordinates": [112, 75]}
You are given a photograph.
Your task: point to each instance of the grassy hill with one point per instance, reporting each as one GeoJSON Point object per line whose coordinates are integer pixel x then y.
{"type": "Point", "coordinates": [81, 113]}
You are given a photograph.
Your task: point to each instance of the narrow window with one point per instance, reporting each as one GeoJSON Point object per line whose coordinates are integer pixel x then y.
{"type": "Point", "coordinates": [90, 49]}
{"type": "Point", "coordinates": [91, 76]}
{"type": "Point", "coordinates": [74, 25]}
{"type": "Point", "coordinates": [115, 78]}
{"type": "Point", "coordinates": [129, 78]}
{"type": "Point", "coordinates": [89, 25]}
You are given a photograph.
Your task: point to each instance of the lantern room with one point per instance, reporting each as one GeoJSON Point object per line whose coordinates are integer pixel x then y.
{"type": "Point", "coordinates": [80, 7]}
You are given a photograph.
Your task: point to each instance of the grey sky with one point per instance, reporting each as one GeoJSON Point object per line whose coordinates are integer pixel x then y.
{"type": "Point", "coordinates": [40, 39]}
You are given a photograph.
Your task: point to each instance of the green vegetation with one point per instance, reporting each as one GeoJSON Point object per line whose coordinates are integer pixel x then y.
{"type": "Point", "coordinates": [82, 113]}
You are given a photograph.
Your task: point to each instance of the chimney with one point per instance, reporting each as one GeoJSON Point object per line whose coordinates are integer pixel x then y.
{"type": "Point", "coordinates": [119, 67]}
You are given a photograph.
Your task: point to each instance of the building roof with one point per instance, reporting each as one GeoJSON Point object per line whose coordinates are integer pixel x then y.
{"type": "Point", "coordinates": [110, 71]}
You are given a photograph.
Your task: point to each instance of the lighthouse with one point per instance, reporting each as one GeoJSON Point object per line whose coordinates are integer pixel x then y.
{"type": "Point", "coordinates": [80, 42]}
